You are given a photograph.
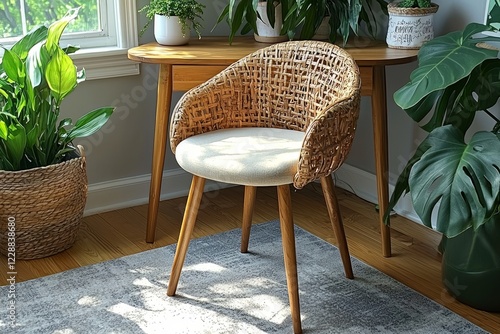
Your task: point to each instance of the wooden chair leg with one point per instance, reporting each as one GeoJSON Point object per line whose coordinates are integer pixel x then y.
{"type": "Point", "coordinates": [336, 220]}
{"type": "Point", "coordinates": [188, 222]}
{"type": "Point", "coordinates": [248, 205]}
{"type": "Point", "coordinates": [288, 237]}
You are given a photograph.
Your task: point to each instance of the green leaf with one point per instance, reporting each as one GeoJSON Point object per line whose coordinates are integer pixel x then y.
{"type": "Point", "coordinates": [271, 13]}
{"type": "Point", "coordinates": [13, 67]}
{"type": "Point", "coordinates": [61, 75]}
{"type": "Point", "coordinates": [308, 16]}
{"type": "Point", "coordinates": [290, 21]}
{"type": "Point", "coordinates": [459, 102]}
{"type": "Point", "coordinates": [32, 136]}
{"type": "Point", "coordinates": [222, 15]}
{"type": "Point", "coordinates": [237, 19]}
{"type": "Point", "coordinates": [251, 21]}
{"type": "Point", "coordinates": [56, 29]}
{"type": "Point", "coordinates": [36, 62]}
{"type": "Point", "coordinates": [65, 122]}
{"type": "Point", "coordinates": [3, 92]}
{"type": "Point", "coordinates": [424, 3]}
{"type": "Point", "coordinates": [443, 61]}
{"type": "Point", "coordinates": [339, 18]}
{"type": "Point", "coordinates": [60, 154]}
{"type": "Point", "coordinates": [81, 75]}
{"type": "Point", "coordinates": [355, 7]}
{"type": "Point", "coordinates": [463, 178]}
{"type": "Point", "coordinates": [486, 85]}
{"type": "Point", "coordinates": [90, 123]}
{"type": "Point", "coordinates": [22, 47]}
{"type": "Point", "coordinates": [16, 143]}
{"type": "Point", "coordinates": [70, 49]}
{"type": "Point", "coordinates": [3, 130]}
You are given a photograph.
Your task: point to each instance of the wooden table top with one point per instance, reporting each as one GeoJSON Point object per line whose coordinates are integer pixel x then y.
{"type": "Point", "coordinates": [217, 51]}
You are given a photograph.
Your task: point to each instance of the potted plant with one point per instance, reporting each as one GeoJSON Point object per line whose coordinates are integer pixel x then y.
{"type": "Point", "coordinates": [454, 174]}
{"type": "Point", "coordinates": [267, 19]}
{"type": "Point", "coordinates": [42, 175]}
{"type": "Point", "coordinates": [410, 23]}
{"type": "Point", "coordinates": [173, 19]}
{"type": "Point", "coordinates": [342, 18]}
{"type": "Point", "coordinates": [305, 17]}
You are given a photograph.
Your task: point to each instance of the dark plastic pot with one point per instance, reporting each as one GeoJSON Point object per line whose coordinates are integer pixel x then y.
{"type": "Point", "coordinates": [471, 266]}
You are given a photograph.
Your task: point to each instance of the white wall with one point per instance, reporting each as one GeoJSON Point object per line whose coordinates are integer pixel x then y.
{"type": "Point", "coordinates": [119, 156]}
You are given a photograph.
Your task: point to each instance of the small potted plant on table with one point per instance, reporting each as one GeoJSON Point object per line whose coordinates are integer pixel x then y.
{"type": "Point", "coordinates": [173, 20]}
{"type": "Point", "coordinates": [410, 23]}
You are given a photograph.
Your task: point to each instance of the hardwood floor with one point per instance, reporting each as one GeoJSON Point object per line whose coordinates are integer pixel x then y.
{"type": "Point", "coordinates": [415, 261]}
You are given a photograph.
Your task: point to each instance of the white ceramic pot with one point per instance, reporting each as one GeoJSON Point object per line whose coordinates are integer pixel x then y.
{"type": "Point", "coordinates": [265, 32]}
{"type": "Point", "coordinates": [409, 28]}
{"type": "Point", "coordinates": [168, 30]}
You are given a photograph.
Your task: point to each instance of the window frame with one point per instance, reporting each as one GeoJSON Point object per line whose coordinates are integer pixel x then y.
{"type": "Point", "coordinates": [111, 60]}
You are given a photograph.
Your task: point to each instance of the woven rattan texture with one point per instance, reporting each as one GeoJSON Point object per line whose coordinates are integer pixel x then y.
{"type": "Point", "coordinates": [308, 86]}
{"type": "Point", "coordinates": [46, 204]}
{"type": "Point", "coordinates": [394, 9]}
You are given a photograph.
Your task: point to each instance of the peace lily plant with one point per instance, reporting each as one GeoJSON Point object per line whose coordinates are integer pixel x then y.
{"type": "Point", "coordinates": [36, 74]}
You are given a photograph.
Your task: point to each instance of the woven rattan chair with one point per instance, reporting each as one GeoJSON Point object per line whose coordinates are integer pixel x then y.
{"type": "Point", "coordinates": [283, 115]}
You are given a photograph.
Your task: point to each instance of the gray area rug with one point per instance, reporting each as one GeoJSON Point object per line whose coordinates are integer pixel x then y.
{"type": "Point", "coordinates": [224, 291]}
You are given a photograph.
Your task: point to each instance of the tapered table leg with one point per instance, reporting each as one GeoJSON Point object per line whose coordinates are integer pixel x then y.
{"type": "Point", "coordinates": [379, 115]}
{"type": "Point", "coordinates": [159, 146]}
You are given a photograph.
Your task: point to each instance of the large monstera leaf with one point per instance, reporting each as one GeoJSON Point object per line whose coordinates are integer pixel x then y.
{"type": "Point", "coordinates": [457, 75]}
{"type": "Point", "coordinates": [463, 178]}
{"type": "Point", "coordinates": [444, 61]}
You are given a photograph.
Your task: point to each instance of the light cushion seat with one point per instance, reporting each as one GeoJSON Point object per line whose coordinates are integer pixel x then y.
{"type": "Point", "coordinates": [245, 156]}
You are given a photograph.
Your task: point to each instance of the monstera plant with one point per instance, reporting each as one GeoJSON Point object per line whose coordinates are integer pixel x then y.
{"type": "Point", "coordinates": [455, 171]}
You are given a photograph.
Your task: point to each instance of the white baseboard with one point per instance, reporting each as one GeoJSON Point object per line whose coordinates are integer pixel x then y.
{"type": "Point", "coordinates": [127, 192]}
{"type": "Point", "coordinates": [364, 185]}
{"type": "Point", "coordinates": [133, 191]}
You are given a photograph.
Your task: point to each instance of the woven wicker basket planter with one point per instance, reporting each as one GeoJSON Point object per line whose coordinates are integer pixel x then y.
{"type": "Point", "coordinates": [409, 28]}
{"type": "Point", "coordinates": [45, 205]}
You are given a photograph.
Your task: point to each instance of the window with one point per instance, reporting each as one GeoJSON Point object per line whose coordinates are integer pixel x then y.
{"type": "Point", "coordinates": [104, 30]}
